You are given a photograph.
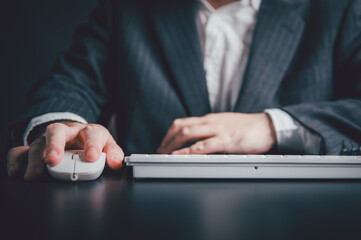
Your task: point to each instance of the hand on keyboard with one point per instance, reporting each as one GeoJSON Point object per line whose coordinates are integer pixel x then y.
{"type": "Point", "coordinates": [220, 133]}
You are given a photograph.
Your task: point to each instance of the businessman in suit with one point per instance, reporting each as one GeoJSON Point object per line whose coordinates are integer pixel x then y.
{"type": "Point", "coordinates": [198, 77]}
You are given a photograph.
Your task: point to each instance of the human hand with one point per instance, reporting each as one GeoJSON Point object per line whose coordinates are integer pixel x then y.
{"type": "Point", "coordinates": [220, 133]}
{"type": "Point", "coordinates": [49, 148]}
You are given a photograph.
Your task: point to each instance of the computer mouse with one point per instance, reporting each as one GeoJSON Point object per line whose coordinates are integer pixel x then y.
{"type": "Point", "coordinates": [73, 167]}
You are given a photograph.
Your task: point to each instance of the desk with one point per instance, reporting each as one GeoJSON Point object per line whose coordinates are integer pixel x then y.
{"type": "Point", "coordinates": [118, 207]}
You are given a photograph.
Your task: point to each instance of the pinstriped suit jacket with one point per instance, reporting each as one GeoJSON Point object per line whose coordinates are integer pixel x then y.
{"type": "Point", "coordinates": [142, 61]}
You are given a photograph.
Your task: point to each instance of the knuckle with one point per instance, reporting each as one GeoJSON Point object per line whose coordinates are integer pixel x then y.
{"type": "Point", "coordinates": [209, 115]}
{"type": "Point", "coordinates": [105, 130]}
{"type": "Point", "coordinates": [53, 126]}
{"type": "Point", "coordinates": [185, 132]}
{"type": "Point", "coordinates": [208, 143]}
{"type": "Point", "coordinates": [199, 146]}
{"type": "Point", "coordinates": [176, 123]}
{"type": "Point", "coordinates": [89, 127]}
{"type": "Point", "coordinates": [73, 124]}
{"type": "Point", "coordinates": [95, 127]}
{"type": "Point", "coordinates": [12, 152]}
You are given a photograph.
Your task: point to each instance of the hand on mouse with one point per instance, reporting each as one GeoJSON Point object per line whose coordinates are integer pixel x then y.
{"type": "Point", "coordinates": [49, 148]}
{"type": "Point", "coordinates": [220, 133]}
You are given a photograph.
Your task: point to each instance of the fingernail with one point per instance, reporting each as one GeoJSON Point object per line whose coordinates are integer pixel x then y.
{"type": "Point", "coordinates": [92, 152]}
{"type": "Point", "coordinates": [118, 156]}
{"type": "Point", "coordinates": [53, 153]}
{"type": "Point", "coordinates": [119, 159]}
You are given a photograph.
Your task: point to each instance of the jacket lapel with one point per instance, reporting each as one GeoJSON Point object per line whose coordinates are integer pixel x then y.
{"type": "Point", "coordinates": [278, 32]}
{"type": "Point", "coordinates": [176, 30]}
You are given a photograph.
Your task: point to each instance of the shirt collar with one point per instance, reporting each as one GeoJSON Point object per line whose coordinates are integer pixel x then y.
{"type": "Point", "coordinates": [254, 3]}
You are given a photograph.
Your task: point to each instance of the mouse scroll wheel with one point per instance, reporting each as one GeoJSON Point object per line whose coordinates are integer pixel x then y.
{"type": "Point", "coordinates": [75, 156]}
{"type": "Point", "coordinates": [74, 176]}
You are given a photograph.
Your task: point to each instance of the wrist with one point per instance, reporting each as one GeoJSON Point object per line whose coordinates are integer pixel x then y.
{"type": "Point", "coordinates": [39, 131]}
{"type": "Point", "coordinates": [270, 133]}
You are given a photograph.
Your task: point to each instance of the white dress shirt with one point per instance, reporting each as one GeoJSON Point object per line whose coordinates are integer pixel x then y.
{"type": "Point", "coordinates": [225, 36]}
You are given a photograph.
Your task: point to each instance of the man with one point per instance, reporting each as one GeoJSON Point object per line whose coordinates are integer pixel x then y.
{"type": "Point", "coordinates": [198, 77]}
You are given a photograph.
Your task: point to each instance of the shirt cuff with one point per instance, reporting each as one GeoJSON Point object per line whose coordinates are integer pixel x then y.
{"type": "Point", "coordinates": [292, 137]}
{"type": "Point", "coordinates": [50, 117]}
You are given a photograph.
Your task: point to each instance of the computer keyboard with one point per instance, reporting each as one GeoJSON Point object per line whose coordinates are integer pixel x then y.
{"type": "Point", "coordinates": [216, 166]}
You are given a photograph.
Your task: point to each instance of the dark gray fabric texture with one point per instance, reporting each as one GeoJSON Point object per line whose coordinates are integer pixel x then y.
{"type": "Point", "coordinates": [142, 61]}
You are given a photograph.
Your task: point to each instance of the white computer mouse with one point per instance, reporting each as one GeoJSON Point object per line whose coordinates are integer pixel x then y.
{"type": "Point", "coordinates": [73, 167]}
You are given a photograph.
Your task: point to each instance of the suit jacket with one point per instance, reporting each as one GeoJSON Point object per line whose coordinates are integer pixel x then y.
{"type": "Point", "coordinates": [142, 61]}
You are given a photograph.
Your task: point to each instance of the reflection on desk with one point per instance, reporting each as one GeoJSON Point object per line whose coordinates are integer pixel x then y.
{"type": "Point", "coordinates": [118, 207]}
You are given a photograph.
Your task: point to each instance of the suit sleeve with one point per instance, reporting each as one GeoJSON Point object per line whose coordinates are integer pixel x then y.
{"type": "Point", "coordinates": [78, 82]}
{"type": "Point", "coordinates": [338, 122]}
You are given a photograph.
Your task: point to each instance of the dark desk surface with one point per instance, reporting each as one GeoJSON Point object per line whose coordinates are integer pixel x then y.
{"type": "Point", "coordinates": [118, 207]}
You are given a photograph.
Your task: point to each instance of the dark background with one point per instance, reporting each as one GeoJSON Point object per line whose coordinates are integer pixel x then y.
{"type": "Point", "coordinates": [32, 34]}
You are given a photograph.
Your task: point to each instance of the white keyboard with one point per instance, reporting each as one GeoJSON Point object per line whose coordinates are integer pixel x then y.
{"type": "Point", "coordinates": [245, 166]}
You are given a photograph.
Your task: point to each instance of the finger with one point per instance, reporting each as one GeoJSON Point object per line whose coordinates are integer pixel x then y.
{"type": "Point", "coordinates": [192, 120]}
{"type": "Point", "coordinates": [57, 134]}
{"type": "Point", "coordinates": [36, 161]}
{"type": "Point", "coordinates": [115, 154]}
{"type": "Point", "coordinates": [94, 137]}
{"type": "Point", "coordinates": [179, 124]}
{"type": "Point", "coordinates": [16, 159]}
{"type": "Point", "coordinates": [210, 145]}
{"type": "Point", "coordinates": [188, 134]}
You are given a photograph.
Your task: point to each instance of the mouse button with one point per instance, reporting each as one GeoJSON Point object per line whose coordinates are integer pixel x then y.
{"type": "Point", "coordinates": [101, 160]}
{"type": "Point", "coordinates": [66, 165]}
{"type": "Point", "coordinates": [85, 167]}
